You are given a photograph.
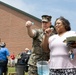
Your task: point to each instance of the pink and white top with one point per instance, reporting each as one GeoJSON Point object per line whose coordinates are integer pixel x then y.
{"type": "Point", "coordinates": [59, 55]}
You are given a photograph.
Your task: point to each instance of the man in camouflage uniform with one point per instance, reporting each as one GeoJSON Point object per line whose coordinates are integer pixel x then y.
{"type": "Point", "coordinates": [37, 35]}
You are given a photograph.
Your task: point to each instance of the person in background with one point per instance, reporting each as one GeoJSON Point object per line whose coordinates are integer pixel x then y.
{"type": "Point", "coordinates": [60, 62]}
{"type": "Point", "coordinates": [37, 35]}
{"type": "Point", "coordinates": [26, 51]}
{"type": "Point", "coordinates": [25, 57]}
{"type": "Point", "coordinates": [4, 57]}
{"type": "Point", "coordinates": [12, 62]}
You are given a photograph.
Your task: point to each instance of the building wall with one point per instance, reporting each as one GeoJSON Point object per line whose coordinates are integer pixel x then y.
{"type": "Point", "coordinates": [13, 31]}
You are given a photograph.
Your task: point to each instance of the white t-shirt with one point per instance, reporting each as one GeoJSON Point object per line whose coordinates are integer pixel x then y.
{"type": "Point", "coordinates": [59, 55]}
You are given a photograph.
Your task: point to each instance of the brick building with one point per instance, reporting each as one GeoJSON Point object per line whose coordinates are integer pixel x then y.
{"type": "Point", "coordinates": [12, 28]}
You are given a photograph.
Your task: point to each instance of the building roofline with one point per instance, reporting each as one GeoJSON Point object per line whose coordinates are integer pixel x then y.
{"type": "Point", "coordinates": [22, 12]}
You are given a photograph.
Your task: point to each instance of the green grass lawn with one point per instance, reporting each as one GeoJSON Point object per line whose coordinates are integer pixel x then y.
{"type": "Point", "coordinates": [12, 69]}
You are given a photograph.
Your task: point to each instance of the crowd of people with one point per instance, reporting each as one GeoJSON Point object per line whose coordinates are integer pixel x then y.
{"type": "Point", "coordinates": [49, 44]}
{"type": "Point", "coordinates": [7, 59]}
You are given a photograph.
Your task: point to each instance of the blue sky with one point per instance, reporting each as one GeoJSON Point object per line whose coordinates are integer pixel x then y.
{"type": "Point", "coordinates": [55, 8]}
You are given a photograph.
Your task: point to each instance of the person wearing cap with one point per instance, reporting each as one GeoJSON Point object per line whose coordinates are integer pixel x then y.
{"type": "Point", "coordinates": [4, 56]}
{"type": "Point", "coordinates": [37, 35]}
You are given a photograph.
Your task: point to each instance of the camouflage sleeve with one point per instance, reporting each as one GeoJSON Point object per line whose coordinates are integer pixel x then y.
{"type": "Point", "coordinates": [35, 31]}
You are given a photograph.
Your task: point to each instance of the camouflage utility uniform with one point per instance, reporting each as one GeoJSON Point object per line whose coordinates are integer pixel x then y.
{"type": "Point", "coordinates": [37, 53]}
